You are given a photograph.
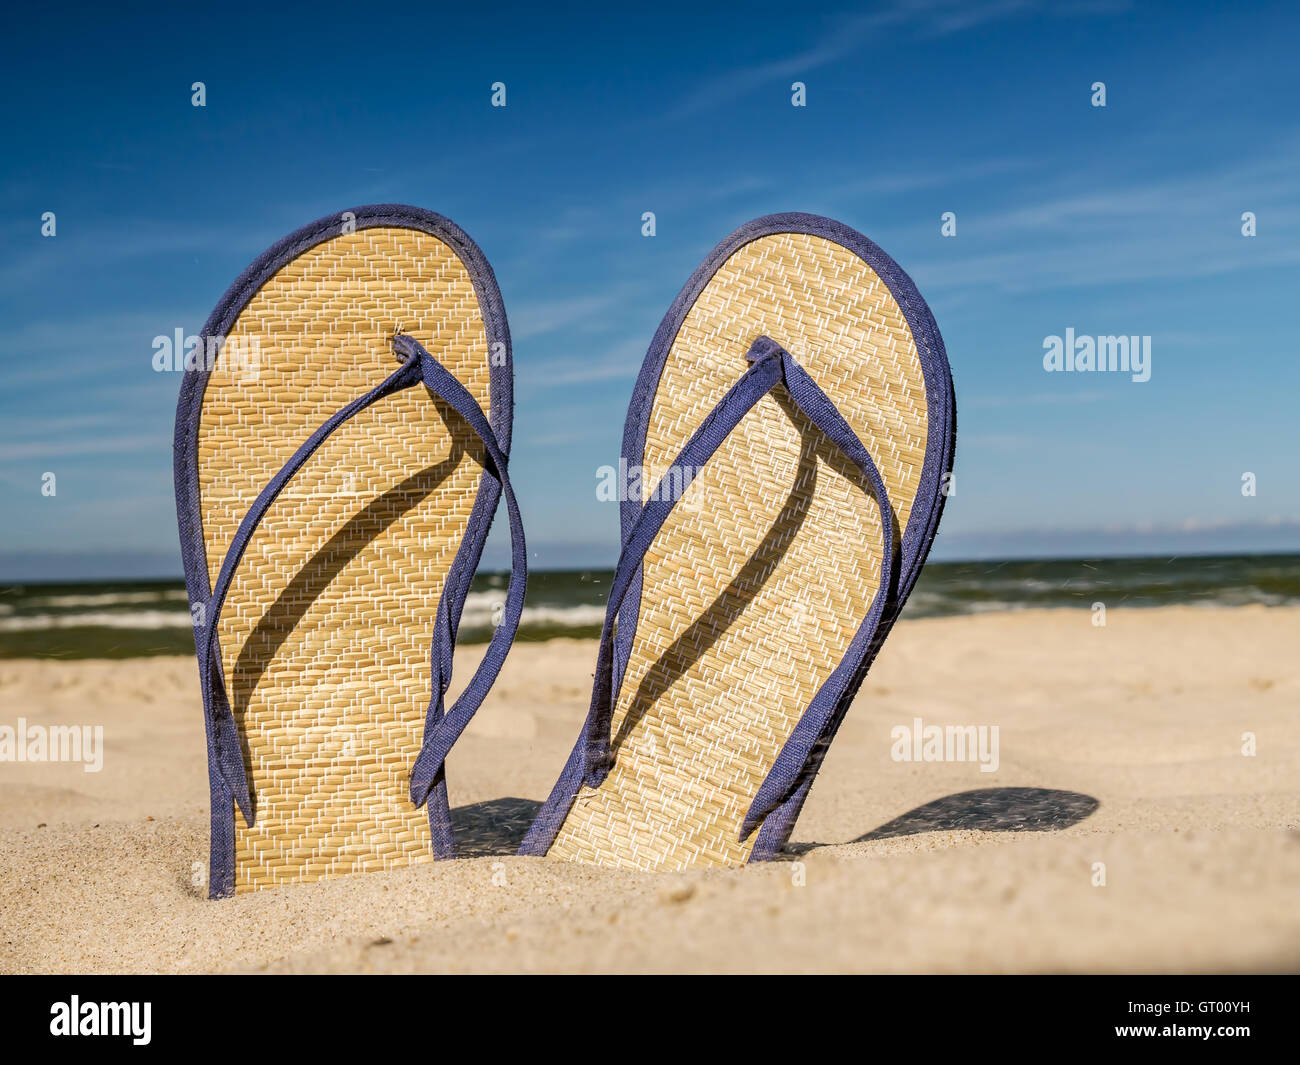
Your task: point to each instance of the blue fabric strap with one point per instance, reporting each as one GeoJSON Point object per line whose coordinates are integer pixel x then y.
{"type": "Point", "coordinates": [772, 365]}
{"type": "Point", "coordinates": [440, 732]}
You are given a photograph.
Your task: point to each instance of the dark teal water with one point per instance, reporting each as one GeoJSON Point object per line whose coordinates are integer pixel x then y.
{"type": "Point", "coordinates": [127, 619]}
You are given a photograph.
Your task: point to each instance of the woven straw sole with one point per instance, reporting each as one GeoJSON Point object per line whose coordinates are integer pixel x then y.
{"type": "Point", "coordinates": [764, 571]}
{"type": "Point", "coordinates": [326, 630]}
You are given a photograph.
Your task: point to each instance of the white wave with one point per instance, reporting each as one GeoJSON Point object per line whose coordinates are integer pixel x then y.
{"type": "Point", "coordinates": [484, 615]}
{"type": "Point", "coordinates": [109, 598]}
{"type": "Point", "coordinates": [483, 610]}
{"type": "Point", "coordinates": [126, 619]}
{"type": "Point", "coordinates": [571, 616]}
{"type": "Point", "coordinates": [482, 599]}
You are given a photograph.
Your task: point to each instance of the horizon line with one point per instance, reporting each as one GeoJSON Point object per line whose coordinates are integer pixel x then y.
{"type": "Point", "coordinates": [7, 582]}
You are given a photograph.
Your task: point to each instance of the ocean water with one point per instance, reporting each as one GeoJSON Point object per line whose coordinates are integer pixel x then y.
{"type": "Point", "coordinates": [128, 619]}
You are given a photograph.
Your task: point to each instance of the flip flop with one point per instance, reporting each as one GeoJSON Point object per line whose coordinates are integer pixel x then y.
{"type": "Point", "coordinates": [336, 478]}
{"type": "Point", "coordinates": [798, 388]}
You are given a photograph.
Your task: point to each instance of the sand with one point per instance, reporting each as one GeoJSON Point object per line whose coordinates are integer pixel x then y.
{"type": "Point", "coordinates": [1119, 745]}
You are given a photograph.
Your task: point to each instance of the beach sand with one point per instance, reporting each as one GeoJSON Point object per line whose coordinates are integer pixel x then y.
{"type": "Point", "coordinates": [1119, 745]}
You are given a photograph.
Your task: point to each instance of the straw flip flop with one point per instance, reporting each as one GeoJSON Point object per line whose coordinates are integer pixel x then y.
{"type": "Point", "coordinates": [799, 391]}
{"type": "Point", "coordinates": [336, 477]}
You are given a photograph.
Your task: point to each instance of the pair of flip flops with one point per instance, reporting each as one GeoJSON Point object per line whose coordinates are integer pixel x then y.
{"type": "Point", "coordinates": [342, 447]}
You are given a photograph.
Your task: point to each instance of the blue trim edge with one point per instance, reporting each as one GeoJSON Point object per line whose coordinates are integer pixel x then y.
{"type": "Point", "coordinates": [916, 541]}
{"type": "Point", "coordinates": [185, 465]}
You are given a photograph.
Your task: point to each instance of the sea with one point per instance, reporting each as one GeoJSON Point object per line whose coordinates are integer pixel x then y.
{"type": "Point", "coordinates": [139, 618]}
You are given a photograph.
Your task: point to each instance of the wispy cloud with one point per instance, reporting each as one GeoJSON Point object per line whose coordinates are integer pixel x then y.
{"type": "Point", "coordinates": [842, 37]}
{"type": "Point", "coordinates": [95, 445]}
{"type": "Point", "coordinates": [900, 181]}
{"type": "Point", "coordinates": [98, 247]}
{"type": "Point", "coordinates": [621, 362]}
{"type": "Point", "coordinates": [1142, 230]}
{"type": "Point", "coordinates": [1041, 399]}
{"type": "Point", "coordinates": [1189, 537]}
{"type": "Point", "coordinates": [1100, 261]}
{"type": "Point", "coordinates": [537, 318]}
{"type": "Point", "coordinates": [842, 40]}
{"type": "Point", "coordinates": [97, 346]}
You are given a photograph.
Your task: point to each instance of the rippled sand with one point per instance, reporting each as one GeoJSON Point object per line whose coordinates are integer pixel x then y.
{"type": "Point", "coordinates": [1120, 754]}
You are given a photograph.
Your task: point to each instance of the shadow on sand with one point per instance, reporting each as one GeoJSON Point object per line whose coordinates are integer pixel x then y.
{"type": "Point", "coordinates": [991, 810]}
{"type": "Point", "coordinates": [493, 828]}
{"type": "Point", "coordinates": [497, 827]}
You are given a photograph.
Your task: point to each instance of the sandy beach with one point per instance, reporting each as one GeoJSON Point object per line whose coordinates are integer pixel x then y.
{"type": "Point", "coordinates": [1120, 756]}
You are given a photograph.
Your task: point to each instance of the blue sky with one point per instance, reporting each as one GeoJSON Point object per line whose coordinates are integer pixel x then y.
{"type": "Point", "coordinates": [1117, 220]}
